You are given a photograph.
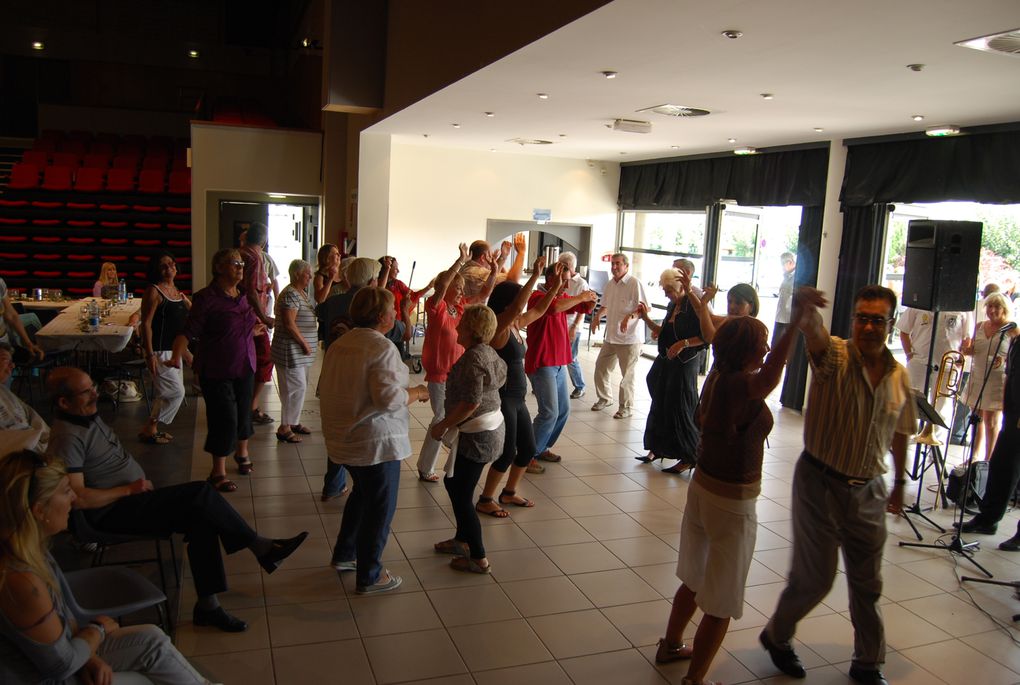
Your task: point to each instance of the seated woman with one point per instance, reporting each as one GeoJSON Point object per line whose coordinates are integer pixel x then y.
{"type": "Point", "coordinates": [108, 279]}
{"type": "Point", "coordinates": [41, 640]}
{"type": "Point", "coordinates": [364, 393]}
{"type": "Point", "coordinates": [719, 523]}
{"type": "Point", "coordinates": [476, 431]}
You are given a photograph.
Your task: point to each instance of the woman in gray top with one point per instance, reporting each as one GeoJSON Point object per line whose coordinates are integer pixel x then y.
{"type": "Point", "coordinates": [473, 427]}
{"type": "Point", "coordinates": [41, 640]}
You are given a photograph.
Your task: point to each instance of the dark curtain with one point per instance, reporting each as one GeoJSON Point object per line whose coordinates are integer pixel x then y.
{"type": "Point", "coordinates": [860, 259]}
{"type": "Point", "coordinates": [793, 177]}
{"type": "Point", "coordinates": [809, 243]}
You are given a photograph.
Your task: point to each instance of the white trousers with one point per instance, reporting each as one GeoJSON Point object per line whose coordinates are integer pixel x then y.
{"type": "Point", "coordinates": [167, 389]}
{"type": "Point", "coordinates": [605, 363]}
{"type": "Point", "coordinates": [293, 384]}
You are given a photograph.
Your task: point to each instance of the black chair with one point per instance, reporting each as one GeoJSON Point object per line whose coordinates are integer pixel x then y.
{"type": "Point", "coordinates": [84, 532]}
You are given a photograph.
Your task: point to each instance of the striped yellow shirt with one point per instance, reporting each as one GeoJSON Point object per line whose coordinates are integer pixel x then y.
{"type": "Point", "coordinates": [849, 425]}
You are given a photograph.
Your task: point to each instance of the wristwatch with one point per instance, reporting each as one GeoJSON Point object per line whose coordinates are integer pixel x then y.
{"type": "Point", "coordinates": [100, 627]}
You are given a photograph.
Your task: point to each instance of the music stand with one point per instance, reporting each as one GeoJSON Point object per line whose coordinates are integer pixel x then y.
{"type": "Point", "coordinates": [927, 413]}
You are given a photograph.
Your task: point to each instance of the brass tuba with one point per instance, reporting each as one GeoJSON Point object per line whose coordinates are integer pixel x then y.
{"type": "Point", "coordinates": [946, 385]}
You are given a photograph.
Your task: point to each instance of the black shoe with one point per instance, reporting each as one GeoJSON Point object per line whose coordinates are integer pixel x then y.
{"type": "Point", "coordinates": [785, 659]}
{"type": "Point", "coordinates": [976, 525]}
{"type": "Point", "coordinates": [867, 676]}
{"type": "Point", "coordinates": [1011, 545]}
{"type": "Point", "coordinates": [218, 618]}
{"type": "Point", "coordinates": [280, 551]}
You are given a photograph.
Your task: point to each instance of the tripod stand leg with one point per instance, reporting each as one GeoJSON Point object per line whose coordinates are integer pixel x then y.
{"type": "Point", "coordinates": [957, 546]}
{"type": "Point", "coordinates": [911, 523]}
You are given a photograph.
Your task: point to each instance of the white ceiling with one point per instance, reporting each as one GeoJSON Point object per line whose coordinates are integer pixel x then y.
{"type": "Point", "coordinates": [840, 66]}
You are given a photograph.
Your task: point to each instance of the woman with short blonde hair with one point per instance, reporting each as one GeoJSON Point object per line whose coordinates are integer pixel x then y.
{"type": "Point", "coordinates": [293, 349]}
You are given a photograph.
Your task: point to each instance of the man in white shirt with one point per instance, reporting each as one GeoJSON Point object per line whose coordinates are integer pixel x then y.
{"type": "Point", "coordinates": [21, 428]}
{"type": "Point", "coordinates": [625, 334]}
{"type": "Point", "coordinates": [575, 286]}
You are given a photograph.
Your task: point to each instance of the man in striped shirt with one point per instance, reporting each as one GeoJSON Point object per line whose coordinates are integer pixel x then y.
{"type": "Point", "coordinates": [860, 407]}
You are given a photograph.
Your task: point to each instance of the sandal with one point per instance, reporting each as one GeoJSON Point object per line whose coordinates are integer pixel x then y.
{"type": "Point", "coordinates": [288, 437]}
{"type": "Point", "coordinates": [430, 477]}
{"type": "Point", "coordinates": [550, 456]}
{"type": "Point", "coordinates": [222, 484]}
{"type": "Point", "coordinates": [535, 467]}
{"type": "Point", "coordinates": [261, 418]}
{"type": "Point", "coordinates": [154, 439]}
{"type": "Point", "coordinates": [301, 430]}
{"type": "Point", "coordinates": [497, 513]}
{"type": "Point", "coordinates": [244, 465]}
{"type": "Point", "coordinates": [468, 565]}
{"type": "Point", "coordinates": [514, 499]}
{"type": "Point", "coordinates": [451, 546]}
{"type": "Point", "coordinates": [664, 654]}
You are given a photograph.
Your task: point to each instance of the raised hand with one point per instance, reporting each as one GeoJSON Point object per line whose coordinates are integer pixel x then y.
{"type": "Point", "coordinates": [465, 254]}
{"type": "Point", "coordinates": [539, 266]}
{"type": "Point", "coordinates": [520, 242]}
{"type": "Point", "coordinates": [504, 249]}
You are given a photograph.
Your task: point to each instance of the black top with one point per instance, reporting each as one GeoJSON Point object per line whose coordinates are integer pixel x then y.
{"type": "Point", "coordinates": [516, 387]}
{"type": "Point", "coordinates": [686, 325]}
{"type": "Point", "coordinates": [167, 322]}
{"type": "Point", "coordinates": [1011, 396]}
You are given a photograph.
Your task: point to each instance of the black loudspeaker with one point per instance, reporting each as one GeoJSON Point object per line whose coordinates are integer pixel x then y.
{"type": "Point", "coordinates": [941, 268]}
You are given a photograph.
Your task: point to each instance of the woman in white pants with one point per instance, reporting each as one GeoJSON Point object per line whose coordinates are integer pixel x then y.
{"type": "Point", "coordinates": [164, 311]}
{"type": "Point", "coordinates": [293, 348]}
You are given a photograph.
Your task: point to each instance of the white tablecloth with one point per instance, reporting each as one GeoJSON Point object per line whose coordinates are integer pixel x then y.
{"type": "Point", "coordinates": [60, 305]}
{"type": "Point", "coordinates": [64, 331]}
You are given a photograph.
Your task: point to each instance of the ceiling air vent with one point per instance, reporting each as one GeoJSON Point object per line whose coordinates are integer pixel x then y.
{"type": "Point", "coordinates": [632, 126]}
{"type": "Point", "coordinates": [1006, 43]}
{"type": "Point", "coordinates": [677, 111]}
{"type": "Point", "coordinates": [529, 141]}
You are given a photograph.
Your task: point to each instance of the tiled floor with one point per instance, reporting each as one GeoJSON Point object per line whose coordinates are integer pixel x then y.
{"type": "Point", "coordinates": [580, 584]}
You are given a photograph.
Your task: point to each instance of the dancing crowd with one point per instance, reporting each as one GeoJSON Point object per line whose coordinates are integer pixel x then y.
{"type": "Point", "coordinates": [490, 336]}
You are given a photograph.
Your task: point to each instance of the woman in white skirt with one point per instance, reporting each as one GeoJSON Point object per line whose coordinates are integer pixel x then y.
{"type": "Point", "coordinates": [294, 349]}
{"type": "Point", "coordinates": [164, 311]}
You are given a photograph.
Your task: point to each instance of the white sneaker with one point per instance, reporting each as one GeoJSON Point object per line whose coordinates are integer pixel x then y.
{"type": "Point", "coordinates": [601, 404]}
{"type": "Point", "coordinates": [622, 413]}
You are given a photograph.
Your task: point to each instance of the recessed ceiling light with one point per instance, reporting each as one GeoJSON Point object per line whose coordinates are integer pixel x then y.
{"type": "Point", "coordinates": [674, 147]}
{"type": "Point", "coordinates": [745, 151]}
{"type": "Point", "coordinates": [681, 111]}
{"type": "Point", "coordinates": [732, 34]}
{"type": "Point", "coordinates": [489, 114]}
{"type": "Point", "coordinates": [609, 74]}
{"type": "Point", "coordinates": [918, 117]}
{"type": "Point", "coordinates": [623, 153]}
{"type": "Point", "coordinates": [277, 196]}
{"type": "Point", "coordinates": [543, 96]}
{"type": "Point", "coordinates": [492, 149]}
{"type": "Point", "coordinates": [563, 135]}
{"type": "Point", "coordinates": [306, 42]}
{"type": "Point", "coordinates": [915, 67]}
{"type": "Point", "coordinates": [767, 96]}
{"type": "Point", "coordinates": [731, 140]}
{"type": "Point", "coordinates": [38, 45]}
{"type": "Point", "coordinates": [529, 141]}
{"type": "Point", "coordinates": [193, 54]}
{"type": "Point", "coordinates": [940, 131]}
{"type": "Point", "coordinates": [819, 129]}
{"type": "Point", "coordinates": [455, 125]}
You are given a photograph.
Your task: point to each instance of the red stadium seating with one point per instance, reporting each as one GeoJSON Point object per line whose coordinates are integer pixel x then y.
{"type": "Point", "coordinates": [39, 158]}
{"type": "Point", "coordinates": [57, 178]}
{"type": "Point", "coordinates": [24, 177]}
{"type": "Point", "coordinates": [152, 181]}
{"type": "Point", "coordinates": [180, 182]}
{"type": "Point", "coordinates": [120, 180]}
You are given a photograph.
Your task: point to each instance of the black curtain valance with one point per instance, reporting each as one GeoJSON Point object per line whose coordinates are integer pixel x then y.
{"type": "Point", "coordinates": [975, 168]}
{"type": "Point", "coordinates": [789, 177]}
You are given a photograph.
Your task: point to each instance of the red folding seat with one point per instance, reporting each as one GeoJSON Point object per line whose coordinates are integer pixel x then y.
{"type": "Point", "coordinates": [147, 225]}
{"type": "Point", "coordinates": [164, 143]}
{"type": "Point", "coordinates": [152, 181]}
{"type": "Point", "coordinates": [126, 161]}
{"type": "Point", "coordinates": [180, 183]}
{"type": "Point", "coordinates": [178, 227]}
{"type": "Point", "coordinates": [145, 243]}
{"type": "Point", "coordinates": [39, 158]}
{"type": "Point", "coordinates": [96, 160]}
{"type": "Point", "coordinates": [45, 222]}
{"type": "Point", "coordinates": [81, 223]}
{"type": "Point", "coordinates": [121, 180]}
{"type": "Point", "coordinates": [82, 257]}
{"type": "Point", "coordinates": [8, 221]}
{"type": "Point", "coordinates": [89, 180]}
{"type": "Point", "coordinates": [78, 147]}
{"type": "Point", "coordinates": [68, 159]}
{"type": "Point", "coordinates": [81, 274]}
{"type": "Point", "coordinates": [48, 239]}
{"type": "Point", "coordinates": [81, 241]}
{"type": "Point", "coordinates": [46, 256]}
{"type": "Point", "coordinates": [113, 224]}
{"type": "Point", "coordinates": [179, 164]}
{"type": "Point", "coordinates": [157, 162]}
{"type": "Point", "coordinates": [57, 178]}
{"type": "Point", "coordinates": [13, 273]}
{"type": "Point", "coordinates": [24, 177]}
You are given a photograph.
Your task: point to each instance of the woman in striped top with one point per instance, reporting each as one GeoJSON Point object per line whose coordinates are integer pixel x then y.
{"type": "Point", "coordinates": [294, 349]}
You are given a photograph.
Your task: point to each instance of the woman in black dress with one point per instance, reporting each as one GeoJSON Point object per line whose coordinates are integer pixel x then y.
{"type": "Point", "coordinates": [670, 431]}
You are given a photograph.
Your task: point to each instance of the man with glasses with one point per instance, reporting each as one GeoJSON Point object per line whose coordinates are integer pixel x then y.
{"type": "Point", "coordinates": [860, 406]}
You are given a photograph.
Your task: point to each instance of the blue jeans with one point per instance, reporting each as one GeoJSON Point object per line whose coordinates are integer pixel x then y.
{"type": "Point", "coordinates": [335, 479]}
{"type": "Point", "coordinates": [367, 516]}
{"type": "Point", "coordinates": [550, 384]}
{"type": "Point", "coordinates": [574, 367]}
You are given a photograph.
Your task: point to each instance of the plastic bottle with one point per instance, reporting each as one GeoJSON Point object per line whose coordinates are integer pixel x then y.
{"type": "Point", "coordinates": [122, 291]}
{"type": "Point", "coordinates": [93, 317]}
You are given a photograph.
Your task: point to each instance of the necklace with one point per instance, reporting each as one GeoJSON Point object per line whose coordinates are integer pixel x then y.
{"type": "Point", "coordinates": [451, 309]}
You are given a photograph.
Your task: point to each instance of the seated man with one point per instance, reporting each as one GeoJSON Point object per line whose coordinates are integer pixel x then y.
{"type": "Point", "coordinates": [111, 487]}
{"type": "Point", "coordinates": [21, 428]}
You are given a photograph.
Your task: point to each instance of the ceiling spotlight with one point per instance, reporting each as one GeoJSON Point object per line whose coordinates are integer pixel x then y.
{"type": "Point", "coordinates": [731, 140]}
{"type": "Point", "coordinates": [38, 45]}
{"type": "Point", "coordinates": [918, 117]}
{"type": "Point", "coordinates": [674, 147]}
{"type": "Point", "coordinates": [745, 151]}
{"type": "Point", "coordinates": [732, 34]}
{"type": "Point", "coordinates": [193, 54]}
{"type": "Point", "coordinates": [492, 149]}
{"type": "Point", "coordinates": [455, 125]}
{"type": "Point", "coordinates": [915, 67]}
{"type": "Point", "coordinates": [609, 74]}
{"type": "Point", "coordinates": [306, 42]}
{"type": "Point", "coordinates": [277, 196]}
{"type": "Point", "coordinates": [543, 96]}
{"type": "Point", "coordinates": [940, 131]}
{"type": "Point", "coordinates": [563, 135]}
{"type": "Point", "coordinates": [489, 114]}
{"type": "Point", "coordinates": [767, 96]}
{"type": "Point", "coordinates": [818, 129]}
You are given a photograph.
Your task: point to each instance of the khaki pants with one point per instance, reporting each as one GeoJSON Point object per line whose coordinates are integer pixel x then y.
{"type": "Point", "coordinates": [605, 364]}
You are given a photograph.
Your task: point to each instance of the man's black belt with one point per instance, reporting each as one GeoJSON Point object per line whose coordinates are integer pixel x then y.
{"type": "Point", "coordinates": [849, 481]}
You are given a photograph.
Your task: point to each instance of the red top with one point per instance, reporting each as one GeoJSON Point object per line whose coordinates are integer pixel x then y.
{"type": "Point", "coordinates": [441, 350]}
{"type": "Point", "coordinates": [400, 291]}
{"type": "Point", "coordinates": [548, 344]}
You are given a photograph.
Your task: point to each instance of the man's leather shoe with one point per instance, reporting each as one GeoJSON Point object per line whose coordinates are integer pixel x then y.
{"type": "Point", "coordinates": [785, 659]}
{"type": "Point", "coordinates": [1011, 545]}
{"type": "Point", "coordinates": [218, 618]}
{"type": "Point", "coordinates": [867, 676]}
{"type": "Point", "coordinates": [976, 525]}
{"type": "Point", "coordinates": [281, 550]}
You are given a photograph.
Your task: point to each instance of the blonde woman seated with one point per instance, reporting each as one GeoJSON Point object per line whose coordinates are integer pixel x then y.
{"type": "Point", "coordinates": [41, 639]}
{"type": "Point", "coordinates": [108, 279]}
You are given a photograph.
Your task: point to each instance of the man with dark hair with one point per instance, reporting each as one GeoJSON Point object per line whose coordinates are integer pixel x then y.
{"type": "Point", "coordinates": [116, 496]}
{"type": "Point", "coordinates": [257, 289]}
{"type": "Point", "coordinates": [860, 406]}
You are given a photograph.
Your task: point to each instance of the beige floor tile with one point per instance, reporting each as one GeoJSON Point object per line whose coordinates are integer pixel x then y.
{"type": "Point", "coordinates": [426, 654]}
{"type": "Point", "coordinates": [613, 668]}
{"type": "Point", "coordinates": [766, 539]}
{"type": "Point", "coordinates": [560, 487]}
{"type": "Point", "coordinates": [545, 673]}
{"type": "Point", "coordinates": [422, 518]}
{"type": "Point", "coordinates": [776, 560]}
{"type": "Point", "coordinates": [246, 592]}
{"type": "Point", "coordinates": [462, 679]}
{"type": "Point", "coordinates": [642, 623]}
{"type": "Point", "coordinates": [953, 661]}
{"type": "Point", "coordinates": [612, 527]}
{"type": "Point", "coordinates": [521, 564]}
{"type": "Point", "coordinates": [297, 624]}
{"type": "Point", "coordinates": [250, 667]}
{"type": "Point", "coordinates": [641, 551]}
{"type": "Point", "coordinates": [295, 586]}
{"type": "Point", "coordinates": [899, 584]}
{"type": "Point", "coordinates": [277, 468]}
{"type": "Point", "coordinates": [662, 577]}
{"type": "Point", "coordinates": [997, 645]}
{"type": "Point", "coordinates": [759, 574]}
{"type": "Point", "coordinates": [830, 637]}
{"type": "Point", "coordinates": [470, 605]}
{"type": "Point", "coordinates": [289, 485]}
{"type": "Point", "coordinates": [284, 505]}
{"type": "Point", "coordinates": [390, 613]}
{"type": "Point", "coordinates": [662, 520]}
{"type": "Point", "coordinates": [610, 588]}
{"type": "Point", "coordinates": [499, 644]}
{"type": "Point", "coordinates": [193, 640]}
{"type": "Point", "coordinates": [631, 502]}
{"type": "Point", "coordinates": [578, 633]}
{"type": "Point", "coordinates": [435, 573]}
{"type": "Point", "coordinates": [950, 613]}
{"type": "Point", "coordinates": [505, 537]}
{"type": "Point", "coordinates": [586, 505]}
{"type": "Point", "coordinates": [584, 557]}
{"type": "Point", "coordinates": [556, 532]}
{"type": "Point", "coordinates": [420, 543]}
{"type": "Point", "coordinates": [545, 509]}
{"type": "Point", "coordinates": [323, 662]}
{"type": "Point", "coordinates": [611, 483]}
{"type": "Point", "coordinates": [904, 629]}
{"type": "Point", "coordinates": [743, 645]}
{"type": "Point", "coordinates": [541, 596]}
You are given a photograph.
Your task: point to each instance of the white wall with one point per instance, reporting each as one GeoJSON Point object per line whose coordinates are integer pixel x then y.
{"type": "Point", "coordinates": [439, 197]}
{"type": "Point", "coordinates": [241, 159]}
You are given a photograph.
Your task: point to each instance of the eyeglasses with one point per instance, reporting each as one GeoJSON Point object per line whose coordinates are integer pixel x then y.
{"type": "Point", "coordinates": [90, 389]}
{"type": "Point", "coordinates": [867, 320]}
{"type": "Point", "coordinates": [237, 263]}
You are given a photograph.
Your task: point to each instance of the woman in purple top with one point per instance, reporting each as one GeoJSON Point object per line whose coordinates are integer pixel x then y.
{"type": "Point", "coordinates": [223, 325]}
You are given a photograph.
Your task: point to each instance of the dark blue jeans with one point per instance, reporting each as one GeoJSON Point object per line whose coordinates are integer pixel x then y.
{"type": "Point", "coordinates": [367, 517]}
{"type": "Point", "coordinates": [334, 480]}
